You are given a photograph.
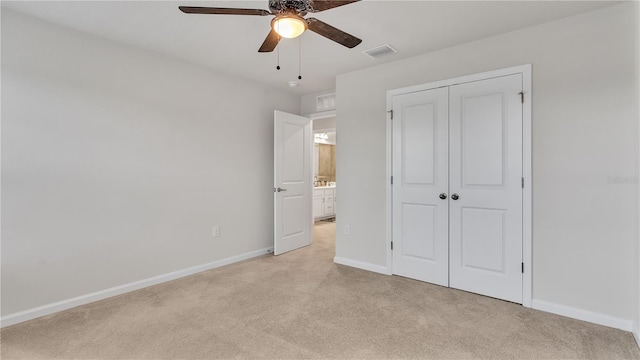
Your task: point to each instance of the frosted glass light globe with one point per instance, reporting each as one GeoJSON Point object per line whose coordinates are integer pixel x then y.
{"type": "Point", "coordinates": [289, 26]}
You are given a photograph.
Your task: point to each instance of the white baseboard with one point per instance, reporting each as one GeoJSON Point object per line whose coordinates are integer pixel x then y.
{"type": "Point", "coordinates": [49, 309]}
{"type": "Point", "coordinates": [362, 265]}
{"type": "Point", "coordinates": [585, 315]}
{"type": "Point", "coordinates": [636, 332]}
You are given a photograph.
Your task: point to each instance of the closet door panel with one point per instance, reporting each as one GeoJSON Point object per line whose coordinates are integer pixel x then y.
{"type": "Point", "coordinates": [420, 170]}
{"type": "Point", "coordinates": [485, 176]}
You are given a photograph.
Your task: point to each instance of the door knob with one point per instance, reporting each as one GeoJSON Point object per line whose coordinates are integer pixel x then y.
{"type": "Point", "coordinates": [455, 196]}
{"type": "Point", "coordinates": [443, 196]}
{"type": "Point", "coordinates": [279, 189]}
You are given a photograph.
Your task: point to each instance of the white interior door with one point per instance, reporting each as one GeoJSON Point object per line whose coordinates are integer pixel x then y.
{"type": "Point", "coordinates": [420, 168]}
{"type": "Point", "coordinates": [292, 182]}
{"type": "Point", "coordinates": [485, 187]}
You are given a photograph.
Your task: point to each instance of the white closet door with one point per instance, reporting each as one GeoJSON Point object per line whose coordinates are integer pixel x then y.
{"type": "Point", "coordinates": [420, 167]}
{"type": "Point", "coordinates": [485, 176]}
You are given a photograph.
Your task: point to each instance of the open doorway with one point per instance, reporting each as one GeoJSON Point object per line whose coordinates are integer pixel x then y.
{"type": "Point", "coordinates": [324, 179]}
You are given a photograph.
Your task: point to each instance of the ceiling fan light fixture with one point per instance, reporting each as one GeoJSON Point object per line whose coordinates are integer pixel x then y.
{"type": "Point", "coordinates": [289, 25]}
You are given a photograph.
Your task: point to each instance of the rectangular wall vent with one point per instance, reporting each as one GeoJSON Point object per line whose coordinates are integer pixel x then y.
{"type": "Point", "coordinates": [326, 102]}
{"type": "Point", "coordinates": [380, 51]}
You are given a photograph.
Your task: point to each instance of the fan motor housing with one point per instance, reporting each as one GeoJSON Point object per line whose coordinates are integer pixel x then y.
{"type": "Point", "coordinates": [301, 7]}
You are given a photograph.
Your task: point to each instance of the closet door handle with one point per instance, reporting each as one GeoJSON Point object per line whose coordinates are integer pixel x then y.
{"type": "Point", "coordinates": [455, 196]}
{"type": "Point", "coordinates": [443, 196]}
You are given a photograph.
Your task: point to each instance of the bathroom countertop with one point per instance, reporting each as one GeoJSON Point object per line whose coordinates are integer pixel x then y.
{"type": "Point", "coordinates": [325, 187]}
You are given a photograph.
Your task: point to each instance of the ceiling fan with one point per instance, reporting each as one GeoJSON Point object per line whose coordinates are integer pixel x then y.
{"type": "Point", "coordinates": [289, 21]}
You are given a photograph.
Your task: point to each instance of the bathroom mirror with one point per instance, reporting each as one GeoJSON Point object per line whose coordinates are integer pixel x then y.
{"type": "Point", "coordinates": [326, 165]}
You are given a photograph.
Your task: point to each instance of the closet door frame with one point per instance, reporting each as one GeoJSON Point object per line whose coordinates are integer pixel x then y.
{"type": "Point", "coordinates": [527, 219]}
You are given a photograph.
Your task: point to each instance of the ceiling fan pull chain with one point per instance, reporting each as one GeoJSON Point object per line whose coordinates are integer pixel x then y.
{"type": "Point", "coordinates": [299, 57]}
{"type": "Point", "coordinates": [278, 65]}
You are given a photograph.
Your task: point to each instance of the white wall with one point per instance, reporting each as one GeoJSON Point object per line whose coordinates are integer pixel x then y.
{"type": "Point", "coordinates": [117, 162]}
{"type": "Point", "coordinates": [584, 134]}
{"type": "Point", "coordinates": [636, 300]}
{"type": "Point", "coordinates": [328, 123]}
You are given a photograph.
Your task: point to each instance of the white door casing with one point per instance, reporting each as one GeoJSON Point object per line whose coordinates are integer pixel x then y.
{"type": "Point", "coordinates": [420, 168]}
{"type": "Point", "coordinates": [292, 182]}
{"type": "Point", "coordinates": [485, 120]}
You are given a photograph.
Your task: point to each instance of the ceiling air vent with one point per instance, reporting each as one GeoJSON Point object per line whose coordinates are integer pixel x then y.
{"type": "Point", "coordinates": [380, 51]}
{"type": "Point", "coordinates": [326, 102]}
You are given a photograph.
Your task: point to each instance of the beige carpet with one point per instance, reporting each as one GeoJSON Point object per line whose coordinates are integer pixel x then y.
{"type": "Point", "coordinates": [302, 305]}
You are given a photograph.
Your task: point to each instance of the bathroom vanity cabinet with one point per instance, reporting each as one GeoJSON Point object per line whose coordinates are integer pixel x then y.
{"type": "Point", "coordinates": [324, 201]}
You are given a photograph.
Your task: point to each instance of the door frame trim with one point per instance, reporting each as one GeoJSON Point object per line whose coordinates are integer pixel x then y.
{"type": "Point", "coordinates": [527, 173]}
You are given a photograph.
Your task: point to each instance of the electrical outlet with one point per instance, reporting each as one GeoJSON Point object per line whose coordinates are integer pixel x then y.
{"type": "Point", "coordinates": [216, 231]}
{"type": "Point", "coordinates": [347, 230]}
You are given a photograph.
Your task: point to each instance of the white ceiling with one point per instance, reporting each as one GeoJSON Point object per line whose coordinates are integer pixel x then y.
{"type": "Point", "coordinates": [229, 43]}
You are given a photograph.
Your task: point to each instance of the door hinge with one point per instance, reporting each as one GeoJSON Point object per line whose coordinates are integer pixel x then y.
{"type": "Point", "coordinates": [521, 93]}
{"type": "Point", "coordinates": [522, 182]}
{"type": "Point", "coordinates": [392, 180]}
{"type": "Point", "coordinates": [522, 268]}
{"type": "Point", "coordinates": [392, 245]}
{"type": "Point", "coordinates": [391, 112]}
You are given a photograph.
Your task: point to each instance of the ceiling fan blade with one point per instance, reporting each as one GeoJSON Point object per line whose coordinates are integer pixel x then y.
{"type": "Point", "coordinates": [270, 42]}
{"type": "Point", "coordinates": [322, 5]}
{"type": "Point", "coordinates": [331, 33]}
{"type": "Point", "coordinates": [222, 11]}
